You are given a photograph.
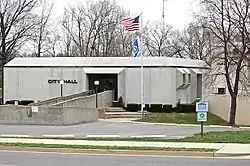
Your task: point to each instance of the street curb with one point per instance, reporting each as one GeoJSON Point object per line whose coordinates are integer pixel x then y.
{"type": "Point", "coordinates": [123, 152]}
{"type": "Point", "coordinates": [244, 127]}
{"type": "Point", "coordinates": [57, 136]}
{"type": "Point", "coordinates": [16, 136]}
{"type": "Point", "coordinates": [149, 136]}
{"type": "Point", "coordinates": [230, 154]}
{"type": "Point", "coordinates": [87, 136]}
{"type": "Point", "coordinates": [102, 136]}
{"type": "Point", "coordinates": [120, 152]}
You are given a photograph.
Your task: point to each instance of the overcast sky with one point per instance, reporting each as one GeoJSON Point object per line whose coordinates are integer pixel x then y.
{"type": "Point", "coordinates": [178, 13]}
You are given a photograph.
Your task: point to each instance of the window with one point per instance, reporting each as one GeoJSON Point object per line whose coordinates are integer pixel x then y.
{"type": "Point", "coordinates": [221, 91]}
{"type": "Point", "coordinates": [184, 78]}
{"type": "Point", "coordinates": [199, 86]}
{"type": "Point", "coordinates": [189, 78]}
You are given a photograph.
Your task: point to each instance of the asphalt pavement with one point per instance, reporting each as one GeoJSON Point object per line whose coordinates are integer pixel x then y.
{"type": "Point", "coordinates": [106, 128]}
{"type": "Point", "coordinates": [51, 159]}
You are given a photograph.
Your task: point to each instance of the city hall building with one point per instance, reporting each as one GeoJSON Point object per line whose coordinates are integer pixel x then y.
{"type": "Point", "coordinates": [166, 80]}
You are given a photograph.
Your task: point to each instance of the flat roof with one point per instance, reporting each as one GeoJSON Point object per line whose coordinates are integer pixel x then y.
{"type": "Point", "coordinates": [99, 70]}
{"type": "Point", "coordinates": [105, 62]}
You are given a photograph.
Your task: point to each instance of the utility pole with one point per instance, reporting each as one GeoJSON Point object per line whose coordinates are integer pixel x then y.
{"type": "Point", "coordinates": [163, 13]}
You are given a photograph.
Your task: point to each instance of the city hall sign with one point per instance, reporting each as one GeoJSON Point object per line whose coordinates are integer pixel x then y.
{"type": "Point", "coordinates": [64, 81]}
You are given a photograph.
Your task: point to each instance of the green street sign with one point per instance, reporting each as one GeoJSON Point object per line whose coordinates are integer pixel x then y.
{"type": "Point", "coordinates": [201, 116]}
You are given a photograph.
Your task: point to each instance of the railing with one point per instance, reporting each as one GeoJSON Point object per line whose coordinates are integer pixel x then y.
{"type": "Point", "coordinates": [55, 100]}
{"type": "Point", "coordinates": [104, 99]}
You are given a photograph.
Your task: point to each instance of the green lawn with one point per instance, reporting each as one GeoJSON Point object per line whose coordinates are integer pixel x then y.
{"type": "Point", "coordinates": [89, 147]}
{"type": "Point", "coordinates": [221, 137]}
{"type": "Point", "coordinates": [181, 118]}
{"type": "Point", "coordinates": [210, 137]}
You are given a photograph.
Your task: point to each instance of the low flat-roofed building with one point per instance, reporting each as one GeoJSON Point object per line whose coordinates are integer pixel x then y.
{"type": "Point", "coordinates": [165, 79]}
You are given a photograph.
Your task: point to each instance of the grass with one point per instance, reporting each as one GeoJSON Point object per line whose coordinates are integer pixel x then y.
{"type": "Point", "coordinates": [181, 118]}
{"type": "Point", "coordinates": [221, 137]}
{"type": "Point", "coordinates": [209, 137]}
{"type": "Point", "coordinates": [86, 147]}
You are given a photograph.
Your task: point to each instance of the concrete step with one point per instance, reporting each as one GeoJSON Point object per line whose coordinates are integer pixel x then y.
{"type": "Point", "coordinates": [109, 115]}
{"type": "Point", "coordinates": [114, 109]}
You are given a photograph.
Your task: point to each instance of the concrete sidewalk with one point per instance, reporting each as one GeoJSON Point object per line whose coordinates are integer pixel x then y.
{"type": "Point", "coordinates": [223, 149]}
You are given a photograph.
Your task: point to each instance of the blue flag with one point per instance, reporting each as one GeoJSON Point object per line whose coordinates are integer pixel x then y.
{"type": "Point", "coordinates": [136, 48]}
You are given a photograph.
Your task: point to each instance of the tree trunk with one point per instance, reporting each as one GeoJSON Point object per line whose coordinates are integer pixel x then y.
{"type": "Point", "coordinates": [2, 82]}
{"type": "Point", "coordinates": [233, 111]}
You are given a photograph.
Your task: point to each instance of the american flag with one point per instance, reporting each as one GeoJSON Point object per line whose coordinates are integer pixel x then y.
{"type": "Point", "coordinates": [131, 24]}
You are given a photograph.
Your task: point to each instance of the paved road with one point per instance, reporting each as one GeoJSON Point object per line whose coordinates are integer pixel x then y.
{"type": "Point", "coordinates": [52, 159]}
{"type": "Point", "coordinates": [104, 128]}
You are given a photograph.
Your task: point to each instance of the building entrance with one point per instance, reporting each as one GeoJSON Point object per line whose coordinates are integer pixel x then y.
{"type": "Point", "coordinates": [106, 82]}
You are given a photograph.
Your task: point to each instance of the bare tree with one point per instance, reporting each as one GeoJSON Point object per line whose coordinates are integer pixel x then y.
{"type": "Point", "coordinates": [67, 33]}
{"type": "Point", "coordinates": [53, 43]}
{"type": "Point", "coordinates": [122, 44]}
{"type": "Point", "coordinates": [15, 23]}
{"type": "Point", "coordinates": [158, 39]}
{"type": "Point", "coordinates": [196, 42]}
{"type": "Point", "coordinates": [42, 30]}
{"type": "Point", "coordinates": [177, 45]}
{"type": "Point", "coordinates": [109, 32]}
{"type": "Point", "coordinates": [228, 21]}
{"type": "Point", "coordinates": [93, 28]}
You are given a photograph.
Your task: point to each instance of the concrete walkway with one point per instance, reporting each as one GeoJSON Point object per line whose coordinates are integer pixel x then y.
{"type": "Point", "coordinates": [224, 149]}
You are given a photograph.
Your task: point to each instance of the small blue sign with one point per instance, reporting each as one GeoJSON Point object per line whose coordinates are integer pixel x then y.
{"type": "Point", "coordinates": [202, 106]}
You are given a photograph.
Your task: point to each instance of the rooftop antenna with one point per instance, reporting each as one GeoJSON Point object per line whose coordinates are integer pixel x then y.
{"type": "Point", "coordinates": [163, 15]}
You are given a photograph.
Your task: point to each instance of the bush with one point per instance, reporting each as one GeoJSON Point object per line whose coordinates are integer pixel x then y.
{"type": "Point", "coordinates": [120, 101]}
{"type": "Point", "coordinates": [12, 102]}
{"type": "Point", "coordinates": [167, 108]}
{"type": "Point", "coordinates": [146, 107]}
{"type": "Point", "coordinates": [155, 108]}
{"type": "Point", "coordinates": [159, 108]}
{"type": "Point", "coordinates": [132, 107]}
{"type": "Point", "coordinates": [26, 102]}
{"type": "Point", "coordinates": [185, 108]}
{"type": "Point", "coordinates": [191, 107]}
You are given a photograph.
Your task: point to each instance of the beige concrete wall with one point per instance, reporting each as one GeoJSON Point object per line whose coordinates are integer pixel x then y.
{"type": "Point", "coordinates": [158, 84]}
{"type": "Point", "coordinates": [47, 115]}
{"type": "Point", "coordinates": [220, 106]}
{"type": "Point", "coordinates": [104, 99]}
{"type": "Point", "coordinates": [21, 83]}
{"type": "Point", "coordinates": [55, 100]}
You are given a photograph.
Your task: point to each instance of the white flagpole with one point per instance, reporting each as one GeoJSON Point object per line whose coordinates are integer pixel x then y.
{"type": "Point", "coordinates": [142, 78]}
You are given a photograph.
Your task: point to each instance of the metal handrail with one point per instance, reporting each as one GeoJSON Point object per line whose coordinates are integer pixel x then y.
{"type": "Point", "coordinates": [63, 98]}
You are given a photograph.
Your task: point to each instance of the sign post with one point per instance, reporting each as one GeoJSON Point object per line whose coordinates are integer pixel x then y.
{"type": "Point", "coordinates": [61, 84]}
{"type": "Point", "coordinates": [202, 109]}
